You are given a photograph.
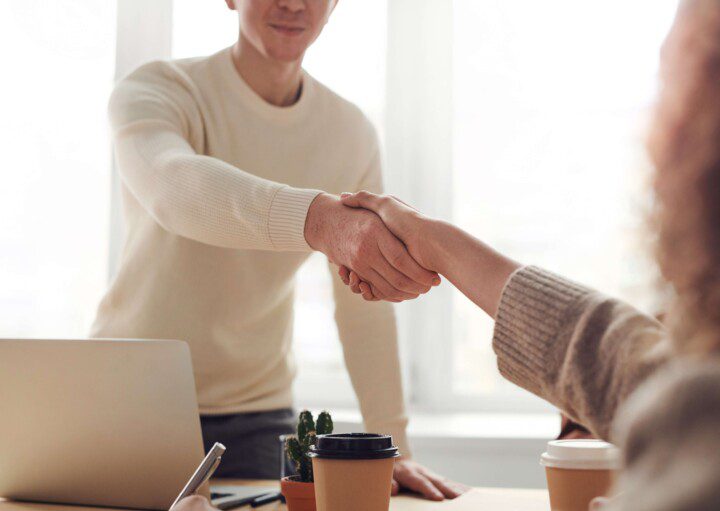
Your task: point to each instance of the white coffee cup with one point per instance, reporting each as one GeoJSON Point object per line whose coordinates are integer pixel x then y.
{"type": "Point", "coordinates": [578, 471]}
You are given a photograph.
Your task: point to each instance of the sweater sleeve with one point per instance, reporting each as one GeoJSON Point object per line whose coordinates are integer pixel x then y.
{"type": "Point", "coordinates": [572, 346]}
{"type": "Point", "coordinates": [368, 333]}
{"type": "Point", "coordinates": [668, 431]}
{"type": "Point", "coordinates": [157, 130]}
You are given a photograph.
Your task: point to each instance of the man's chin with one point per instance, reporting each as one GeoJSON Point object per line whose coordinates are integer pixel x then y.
{"type": "Point", "coordinates": [286, 55]}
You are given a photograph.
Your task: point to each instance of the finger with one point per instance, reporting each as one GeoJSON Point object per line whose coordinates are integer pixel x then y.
{"type": "Point", "coordinates": [344, 274]}
{"type": "Point", "coordinates": [395, 488]}
{"type": "Point", "coordinates": [378, 281]}
{"type": "Point", "coordinates": [354, 283]}
{"type": "Point", "coordinates": [398, 280]}
{"type": "Point", "coordinates": [369, 292]}
{"type": "Point", "coordinates": [366, 292]}
{"type": "Point", "coordinates": [376, 292]}
{"type": "Point", "coordinates": [365, 289]}
{"type": "Point", "coordinates": [362, 199]}
{"type": "Point", "coordinates": [449, 489]}
{"type": "Point", "coordinates": [398, 257]}
{"type": "Point", "coordinates": [419, 483]}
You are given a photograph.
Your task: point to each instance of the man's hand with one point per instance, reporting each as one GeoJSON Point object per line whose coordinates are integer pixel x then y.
{"type": "Point", "coordinates": [194, 503]}
{"type": "Point", "coordinates": [412, 476]}
{"type": "Point", "coordinates": [358, 239]}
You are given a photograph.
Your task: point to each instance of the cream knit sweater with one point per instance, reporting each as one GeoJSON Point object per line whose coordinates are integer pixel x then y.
{"type": "Point", "coordinates": [216, 185]}
{"type": "Point", "coordinates": [612, 369]}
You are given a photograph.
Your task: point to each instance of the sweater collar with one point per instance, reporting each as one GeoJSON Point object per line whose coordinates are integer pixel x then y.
{"type": "Point", "coordinates": [244, 93]}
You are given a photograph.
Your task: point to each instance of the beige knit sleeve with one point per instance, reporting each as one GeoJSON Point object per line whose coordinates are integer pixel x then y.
{"type": "Point", "coordinates": [157, 129]}
{"type": "Point", "coordinates": [669, 430]}
{"type": "Point", "coordinates": [574, 347]}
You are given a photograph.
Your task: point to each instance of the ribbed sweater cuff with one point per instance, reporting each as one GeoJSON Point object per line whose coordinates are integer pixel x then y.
{"type": "Point", "coordinates": [533, 310]}
{"type": "Point", "coordinates": [286, 224]}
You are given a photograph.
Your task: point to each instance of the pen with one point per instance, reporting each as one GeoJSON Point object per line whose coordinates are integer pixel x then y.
{"type": "Point", "coordinates": [266, 499]}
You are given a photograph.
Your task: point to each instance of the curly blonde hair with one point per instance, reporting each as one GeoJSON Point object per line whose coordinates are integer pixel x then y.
{"type": "Point", "coordinates": [685, 147]}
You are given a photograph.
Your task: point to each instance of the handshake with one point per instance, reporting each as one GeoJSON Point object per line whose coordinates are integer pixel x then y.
{"type": "Point", "coordinates": [381, 245]}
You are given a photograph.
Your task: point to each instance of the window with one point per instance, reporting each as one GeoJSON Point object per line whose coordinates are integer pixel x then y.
{"type": "Point", "coordinates": [521, 121]}
{"type": "Point", "coordinates": [550, 105]}
{"type": "Point", "coordinates": [54, 198]}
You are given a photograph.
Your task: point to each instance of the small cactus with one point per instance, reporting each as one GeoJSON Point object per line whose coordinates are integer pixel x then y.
{"type": "Point", "coordinates": [297, 447]}
{"type": "Point", "coordinates": [324, 425]}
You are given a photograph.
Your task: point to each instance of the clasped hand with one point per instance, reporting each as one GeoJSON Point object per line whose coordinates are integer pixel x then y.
{"type": "Point", "coordinates": [354, 235]}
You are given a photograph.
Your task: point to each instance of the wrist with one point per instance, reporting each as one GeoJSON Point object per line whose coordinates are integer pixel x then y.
{"type": "Point", "coordinates": [432, 236]}
{"type": "Point", "coordinates": [316, 220]}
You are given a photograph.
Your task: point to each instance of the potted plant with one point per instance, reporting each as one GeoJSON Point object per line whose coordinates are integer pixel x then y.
{"type": "Point", "coordinates": [299, 490]}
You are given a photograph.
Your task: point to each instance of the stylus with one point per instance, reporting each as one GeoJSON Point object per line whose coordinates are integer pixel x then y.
{"type": "Point", "coordinates": [202, 473]}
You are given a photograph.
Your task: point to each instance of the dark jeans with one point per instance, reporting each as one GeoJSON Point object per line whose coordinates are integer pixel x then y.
{"type": "Point", "coordinates": [253, 447]}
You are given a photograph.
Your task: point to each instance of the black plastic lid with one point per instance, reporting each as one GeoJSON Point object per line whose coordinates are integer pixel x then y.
{"type": "Point", "coordinates": [354, 446]}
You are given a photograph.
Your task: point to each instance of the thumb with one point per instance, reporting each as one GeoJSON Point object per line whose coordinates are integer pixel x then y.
{"type": "Point", "coordinates": [350, 199]}
{"type": "Point", "coordinates": [362, 199]}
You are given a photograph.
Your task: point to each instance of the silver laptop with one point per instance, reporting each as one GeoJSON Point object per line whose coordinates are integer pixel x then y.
{"type": "Point", "coordinates": [98, 422]}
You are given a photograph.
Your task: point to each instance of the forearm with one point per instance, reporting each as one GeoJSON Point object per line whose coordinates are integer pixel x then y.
{"type": "Point", "coordinates": [206, 199]}
{"type": "Point", "coordinates": [582, 351]}
{"type": "Point", "coordinates": [473, 267]}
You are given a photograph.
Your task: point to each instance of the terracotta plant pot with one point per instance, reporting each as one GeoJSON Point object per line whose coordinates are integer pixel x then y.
{"type": "Point", "coordinates": [298, 496]}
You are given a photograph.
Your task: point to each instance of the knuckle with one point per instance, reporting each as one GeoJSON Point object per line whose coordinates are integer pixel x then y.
{"type": "Point", "coordinates": [397, 257]}
{"type": "Point", "coordinates": [401, 282]}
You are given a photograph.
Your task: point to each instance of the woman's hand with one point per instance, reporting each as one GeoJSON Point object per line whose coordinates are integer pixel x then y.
{"type": "Point", "coordinates": [405, 222]}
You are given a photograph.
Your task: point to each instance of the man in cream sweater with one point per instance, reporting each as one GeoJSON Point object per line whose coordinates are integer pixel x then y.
{"type": "Point", "coordinates": [231, 165]}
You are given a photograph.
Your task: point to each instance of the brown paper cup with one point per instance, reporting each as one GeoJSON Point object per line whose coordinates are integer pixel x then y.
{"type": "Point", "coordinates": [353, 485]}
{"type": "Point", "coordinates": [573, 489]}
{"type": "Point", "coordinates": [578, 471]}
{"type": "Point", "coordinates": [353, 472]}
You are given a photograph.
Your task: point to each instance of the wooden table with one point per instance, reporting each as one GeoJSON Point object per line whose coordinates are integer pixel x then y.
{"type": "Point", "coordinates": [485, 499]}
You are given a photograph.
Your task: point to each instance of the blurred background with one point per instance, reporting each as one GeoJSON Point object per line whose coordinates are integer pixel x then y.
{"type": "Point", "coordinates": [520, 120]}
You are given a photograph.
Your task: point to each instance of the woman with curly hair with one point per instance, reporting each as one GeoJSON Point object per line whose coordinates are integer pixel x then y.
{"type": "Point", "coordinates": [650, 388]}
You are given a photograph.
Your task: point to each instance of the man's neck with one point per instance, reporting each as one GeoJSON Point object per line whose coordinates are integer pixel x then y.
{"type": "Point", "coordinates": [276, 82]}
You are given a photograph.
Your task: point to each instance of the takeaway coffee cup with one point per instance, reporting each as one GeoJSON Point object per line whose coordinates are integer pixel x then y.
{"type": "Point", "coordinates": [578, 471]}
{"type": "Point", "coordinates": [353, 472]}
